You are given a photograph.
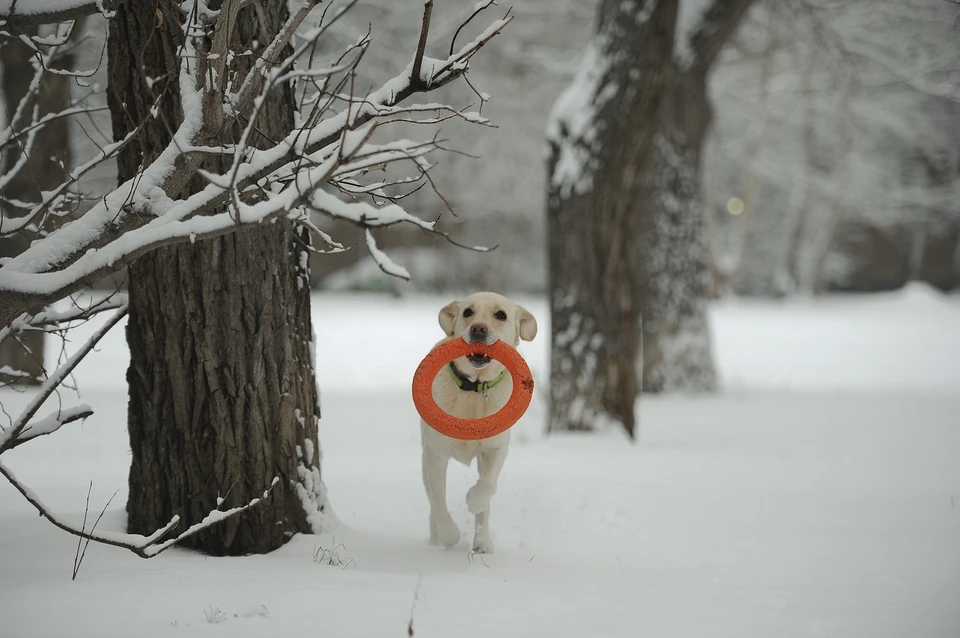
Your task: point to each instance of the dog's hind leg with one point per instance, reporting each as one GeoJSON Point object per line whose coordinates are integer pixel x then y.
{"type": "Point", "coordinates": [443, 531]}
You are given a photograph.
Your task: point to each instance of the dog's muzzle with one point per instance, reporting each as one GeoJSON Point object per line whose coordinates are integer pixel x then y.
{"type": "Point", "coordinates": [479, 333]}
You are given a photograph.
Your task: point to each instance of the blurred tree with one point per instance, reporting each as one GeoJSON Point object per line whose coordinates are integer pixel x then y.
{"type": "Point", "coordinates": [48, 153]}
{"type": "Point", "coordinates": [627, 274]}
{"type": "Point", "coordinates": [835, 130]}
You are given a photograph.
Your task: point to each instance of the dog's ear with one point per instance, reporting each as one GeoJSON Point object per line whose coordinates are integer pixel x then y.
{"type": "Point", "coordinates": [527, 324]}
{"type": "Point", "coordinates": [448, 317]}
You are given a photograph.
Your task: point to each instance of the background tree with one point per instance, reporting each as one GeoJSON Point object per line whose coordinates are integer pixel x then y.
{"type": "Point", "coordinates": [30, 165]}
{"type": "Point", "coordinates": [835, 131]}
{"type": "Point", "coordinates": [627, 276]}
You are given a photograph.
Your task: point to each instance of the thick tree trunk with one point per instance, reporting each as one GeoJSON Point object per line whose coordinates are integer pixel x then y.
{"type": "Point", "coordinates": [49, 162]}
{"type": "Point", "coordinates": [628, 277]}
{"type": "Point", "coordinates": [223, 396]}
{"type": "Point", "coordinates": [671, 254]}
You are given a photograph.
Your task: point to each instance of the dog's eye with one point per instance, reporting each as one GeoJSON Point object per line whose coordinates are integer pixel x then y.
{"type": "Point", "coordinates": [500, 315]}
{"type": "Point", "coordinates": [468, 313]}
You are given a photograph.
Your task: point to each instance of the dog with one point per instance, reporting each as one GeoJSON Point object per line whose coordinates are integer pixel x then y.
{"type": "Point", "coordinates": [471, 387]}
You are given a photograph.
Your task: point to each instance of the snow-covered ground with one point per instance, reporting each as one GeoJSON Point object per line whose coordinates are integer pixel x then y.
{"type": "Point", "coordinates": [818, 495]}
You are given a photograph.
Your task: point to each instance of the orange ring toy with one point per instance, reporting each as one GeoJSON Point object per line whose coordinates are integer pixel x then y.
{"type": "Point", "coordinates": [472, 429]}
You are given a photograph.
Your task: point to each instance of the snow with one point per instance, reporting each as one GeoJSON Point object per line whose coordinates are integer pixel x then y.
{"type": "Point", "coordinates": [690, 19]}
{"type": "Point", "coordinates": [30, 7]}
{"type": "Point", "coordinates": [571, 124]}
{"type": "Point", "coordinates": [816, 495]}
{"type": "Point", "coordinates": [383, 260]}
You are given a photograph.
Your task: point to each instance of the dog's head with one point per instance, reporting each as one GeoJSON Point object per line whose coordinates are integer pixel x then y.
{"type": "Point", "coordinates": [486, 317]}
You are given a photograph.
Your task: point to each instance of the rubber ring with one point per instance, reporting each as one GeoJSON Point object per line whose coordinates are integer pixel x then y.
{"type": "Point", "coordinates": [472, 429]}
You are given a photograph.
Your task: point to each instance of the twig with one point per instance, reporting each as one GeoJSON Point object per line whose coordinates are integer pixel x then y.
{"type": "Point", "coordinates": [78, 559]}
{"type": "Point", "coordinates": [415, 78]}
{"type": "Point", "coordinates": [477, 10]}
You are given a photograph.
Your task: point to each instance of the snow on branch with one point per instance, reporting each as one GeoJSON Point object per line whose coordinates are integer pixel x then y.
{"type": "Point", "coordinates": [24, 13]}
{"type": "Point", "coordinates": [703, 27]}
{"type": "Point", "coordinates": [321, 166]}
{"type": "Point", "coordinates": [51, 424]}
{"type": "Point", "coordinates": [52, 320]}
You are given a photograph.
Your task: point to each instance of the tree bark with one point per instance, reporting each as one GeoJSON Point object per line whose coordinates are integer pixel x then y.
{"type": "Point", "coordinates": [601, 139]}
{"type": "Point", "coordinates": [223, 395]}
{"type": "Point", "coordinates": [628, 281]}
{"type": "Point", "coordinates": [47, 168]}
{"type": "Point", "coordinates": [671, 256]}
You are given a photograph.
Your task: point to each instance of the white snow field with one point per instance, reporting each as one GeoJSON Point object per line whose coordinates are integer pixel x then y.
{"type": "Point", "coordinates": [817, 495]}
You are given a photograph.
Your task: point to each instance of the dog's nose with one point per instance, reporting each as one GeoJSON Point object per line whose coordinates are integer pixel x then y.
{"type": "Point", "coordinates": [479, 331]}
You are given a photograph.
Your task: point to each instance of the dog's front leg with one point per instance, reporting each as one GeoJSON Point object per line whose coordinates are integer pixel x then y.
{"type": "Point", "coordinates": [489, 464]}
{"type": "Point", "coordinates": [443, 531]}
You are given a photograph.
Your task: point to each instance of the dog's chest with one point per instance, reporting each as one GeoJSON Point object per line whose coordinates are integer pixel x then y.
{"type": "Point", "coordinates": [469, 405]}
{"type": "Point", "coordinates": [464, 451]}
{"type": "Point", "coordinates": [473, 405]}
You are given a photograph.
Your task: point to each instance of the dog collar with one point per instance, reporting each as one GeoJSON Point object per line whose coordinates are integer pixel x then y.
{"type": "Point", "coordinates": [469, 385]}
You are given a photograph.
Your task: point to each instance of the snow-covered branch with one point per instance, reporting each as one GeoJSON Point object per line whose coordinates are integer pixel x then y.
{"type": "Point", "coordinates": [10, 437]}
{"type": "Point", "coordinates": [324, 158]}
{"type": "Point", "coordinates": [24, 13]}
{"type": "Point", "coordinates": [51, 424]}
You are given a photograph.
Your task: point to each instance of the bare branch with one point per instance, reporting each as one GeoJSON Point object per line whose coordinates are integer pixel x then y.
{"type": "Point", "coordinates": [477, 10]}
{"type": "Point", "coordinates": [415, 76]}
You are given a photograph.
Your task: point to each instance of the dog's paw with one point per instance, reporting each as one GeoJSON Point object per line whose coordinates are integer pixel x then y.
{"type": "Point", "coordinates": [445, 533]}
{"type": "Point", "coordinates": [478, 498]}
{"type": "Point", "coordinates": [482, 544]}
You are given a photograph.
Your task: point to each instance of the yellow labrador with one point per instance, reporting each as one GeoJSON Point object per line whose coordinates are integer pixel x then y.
{"type": "Point", "coordinates": [472, 387]}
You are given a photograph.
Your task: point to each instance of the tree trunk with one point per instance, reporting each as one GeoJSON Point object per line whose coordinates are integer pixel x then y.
{"type": "Point", "coordinates": [47, 168]}
{"type": "Point", "coordinates": [223, 396]}
{"type": "Point", "coordinates": [627, 275]}
{"type": "Point", "coordinates": [671, 255]}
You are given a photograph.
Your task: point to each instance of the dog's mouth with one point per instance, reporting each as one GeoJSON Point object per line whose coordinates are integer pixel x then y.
{"type": "Point", "coordinates": [478, 360]}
